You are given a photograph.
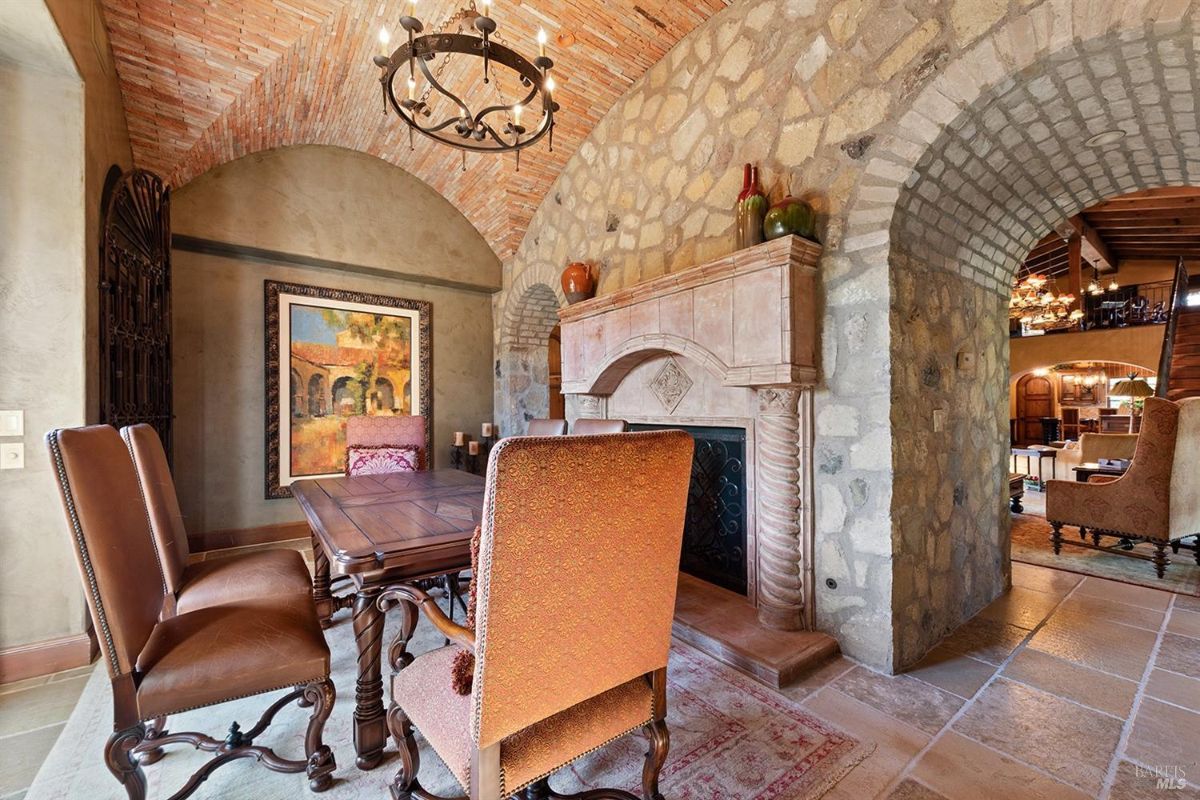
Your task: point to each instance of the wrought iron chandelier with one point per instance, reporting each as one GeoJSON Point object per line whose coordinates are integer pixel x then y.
{"type": "Point", "coordinates": [428, 106]}
{"type": "Point", "coordinates": [1035, 301]}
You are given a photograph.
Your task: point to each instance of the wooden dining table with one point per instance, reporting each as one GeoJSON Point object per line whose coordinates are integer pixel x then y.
{"type": "Point", "coordinates": [380, 531]}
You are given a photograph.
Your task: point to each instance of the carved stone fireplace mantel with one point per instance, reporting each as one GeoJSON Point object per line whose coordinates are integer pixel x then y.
{"type": "Point", "coordinates": [731, 343]}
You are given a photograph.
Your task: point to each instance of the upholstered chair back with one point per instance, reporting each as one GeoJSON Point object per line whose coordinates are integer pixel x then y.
{"type": "Point", "coordinates": [112, 540]}
{"type": "Point", "coordinates": [158, 490]}
{"type": "Point", "coordinates": [1185, 476]}
{"type": "Point", "coordinates": [578, 566]}
{"type": "Point", "coordinates": [547, 427]}
{"type": "Point", "coordinates": [592, 427]}
{"type": "Point", "coordinates": [1095, 446]}
{"type": "Point", "coordinates": [377, 431]}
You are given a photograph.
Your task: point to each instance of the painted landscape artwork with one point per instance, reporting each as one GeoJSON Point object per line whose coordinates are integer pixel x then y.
{"type": "Point", "coordinates": [343, 363]}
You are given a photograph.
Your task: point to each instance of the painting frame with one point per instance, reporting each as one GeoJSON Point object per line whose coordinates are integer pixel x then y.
{"type": "Point", "coordinates": [276, 297]}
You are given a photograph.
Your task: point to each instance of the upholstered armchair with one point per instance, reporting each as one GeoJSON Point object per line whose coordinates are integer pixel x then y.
{"type": "Point", "coordinates": [248, 576]}
{"type": "Point", "coordinates": [593, 427]}
{"type": "Point", "coordinates": [578, 564]}
{"type": "Point", "coordinates": [1094, 446]}
{"type": "Point", "coordinates": [161, 666]}
{"type": "Point", "coordinates": [547, 427]}
{"type": "Point", "coordinates": [1157, 501]}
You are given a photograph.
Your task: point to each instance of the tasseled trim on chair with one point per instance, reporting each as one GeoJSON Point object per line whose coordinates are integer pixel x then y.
{"type": "Point", "coordinates": [462, 673]}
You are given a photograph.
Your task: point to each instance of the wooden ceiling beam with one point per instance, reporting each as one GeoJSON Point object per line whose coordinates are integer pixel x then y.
{"type": "Point", "coordinates": [1094, 248]}
{"type": "Point", "coordinates": [1147, 204]}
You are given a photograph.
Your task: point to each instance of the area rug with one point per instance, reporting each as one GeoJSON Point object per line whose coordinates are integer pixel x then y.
{"type": "Point", "coordinates": [731, 738]}
{"type": "Point", "coordinates": [1031, 545]}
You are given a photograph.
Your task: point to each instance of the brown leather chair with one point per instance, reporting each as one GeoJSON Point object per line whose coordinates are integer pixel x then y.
{"type": "Point", "coordinates": [556, 677]}
{"type": "Point", "coordinates": [593, 427]}
{"type": "Point", "coordinates": [547, 427]}
{"type": "Point", "coordinates": [205, 657]}
{"type": "Point", "coordinates": [230, 579]}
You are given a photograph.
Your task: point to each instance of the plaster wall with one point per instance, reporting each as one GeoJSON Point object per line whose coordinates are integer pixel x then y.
{"type": "Point", "coordinates": [1140, 345]}
{"type": "Point", "coordinates": [41, 340]}
{"type": "Point", "coordinates": [218, 327]}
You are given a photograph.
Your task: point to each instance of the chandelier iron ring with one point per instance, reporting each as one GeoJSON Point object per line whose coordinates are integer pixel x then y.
{"type": "Point", "coordinates": [467, 130]}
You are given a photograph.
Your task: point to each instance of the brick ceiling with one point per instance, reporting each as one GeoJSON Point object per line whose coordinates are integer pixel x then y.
{"type": "Point", "coordinates": [206, 81]}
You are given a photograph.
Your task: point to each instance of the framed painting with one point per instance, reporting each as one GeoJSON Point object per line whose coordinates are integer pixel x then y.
{"type": "Point", "coordinates": [333, 354]}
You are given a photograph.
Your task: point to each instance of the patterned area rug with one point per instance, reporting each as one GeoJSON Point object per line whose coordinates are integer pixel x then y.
{"type": "Point", "coordinates": [1031, 544]}
{"type": "Point", "coordinates": [731, 738]}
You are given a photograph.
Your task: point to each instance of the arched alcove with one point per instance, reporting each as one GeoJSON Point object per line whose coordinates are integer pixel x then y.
{"type": "Point", "coordinates": [523, 365]}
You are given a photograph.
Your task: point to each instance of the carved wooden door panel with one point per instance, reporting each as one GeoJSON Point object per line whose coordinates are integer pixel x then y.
{"type": "Point", "coordinates": [1035, 399]}
{"type": "Point", "coordinates": [135, 305]}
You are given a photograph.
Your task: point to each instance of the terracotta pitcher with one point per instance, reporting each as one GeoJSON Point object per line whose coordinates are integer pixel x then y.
{"type": "Point", "coordinates": [577, 282]}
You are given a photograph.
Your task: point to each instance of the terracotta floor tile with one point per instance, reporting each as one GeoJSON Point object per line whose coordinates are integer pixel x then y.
{"type": "Point", "coordinates": [1073, 681]}
{"type": "Point", "coordinates": [1166, 736]}
{"type": "Point", "coordinates": [952, 671]}
{"type": "Point", "coordinates": [1177, 689]}
{"type": "Point", "coordinates": [965, 770]}
{"type": "Point", "coordinates": [1021, 606]}
{"type": "Point", "coordinates": [1043, 579]}
{"type": "Point", "coordinates": [1125, 593]}
{"type": "Point", "coordinates": [1097, 643]}
{"type": "Point", "coordinates": [818, 678]}
{"type": "Point", "coordinates": [1186, 623]}
{"type": "Point", "coordinates": [1102, 608]}
{"type": "Point", "coordinates": [1179, 654]}
{"type": "Point", "coordinates": [895, 743]}
{"type": "Point", "coordinates": [908, 789]}
{"type": "Point", "coordinates": [23, 756]}
{"type": "Point", "coordinates": [1138, 783]}
{"type": "Point", "coordinates": [902, 697]}
{"type": "Point", "coordinates": [986, 640]}
{"type": "Point", "coordinates": [20, 686]}
{"type": "Point", "coordinates": [39, 706]}
{"type": "Point", "coordinates": [1072, 743]}
{"type": "Point", "coordinates": [1187, 602]}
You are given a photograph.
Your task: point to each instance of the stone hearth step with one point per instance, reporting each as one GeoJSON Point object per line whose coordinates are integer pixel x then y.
{"type": "Point", "coordinates": [725, 625]}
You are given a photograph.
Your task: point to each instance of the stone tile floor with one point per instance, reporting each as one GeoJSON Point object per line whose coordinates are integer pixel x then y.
{"type": "Point", "coordinates": [1067, 687]}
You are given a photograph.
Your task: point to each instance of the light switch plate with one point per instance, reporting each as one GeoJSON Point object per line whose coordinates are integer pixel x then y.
{"type": "Point", "coordinates": [939, 420]}
{"type": "Point", "coordinates": [12, 455]}
{"type": "Point", "coordinates": [12, 423]}
{"type": "Point", "coordinates": [966, 361]}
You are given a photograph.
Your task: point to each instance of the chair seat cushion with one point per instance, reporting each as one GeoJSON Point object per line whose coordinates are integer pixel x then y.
{"type": "Point", "coordinates": [250, 576]}
{"type": "Point", "coordinates": [423, 691]}
{"type": "Point", "coordinates": [225, 652]}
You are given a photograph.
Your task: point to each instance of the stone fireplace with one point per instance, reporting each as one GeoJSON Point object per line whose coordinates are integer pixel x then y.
{"type": "Point", "coordinates": [727, 348]}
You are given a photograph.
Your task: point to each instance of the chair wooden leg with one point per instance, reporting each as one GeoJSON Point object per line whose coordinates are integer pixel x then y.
{"type": "Point", "coordinates": [147, 754]}
{"type": "Point", "coordinates": [659, 740]}
{"type": "Point", "coordinates": [402, 731]}
{"type": "Point", "coordinates": [1056, 537]}
{"type": "Point", "coordinates": [1160, 558]}
{"type": "Point", "coordinates": [120, 760]}
{"type": "Point", "coordinates": [321, 764]}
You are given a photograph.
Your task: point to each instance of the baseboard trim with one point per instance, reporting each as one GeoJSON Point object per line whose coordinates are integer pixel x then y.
{"type": "Point", "coordinates": [45, 658]}
{"type": "Point", "coordinates": [244, 537]}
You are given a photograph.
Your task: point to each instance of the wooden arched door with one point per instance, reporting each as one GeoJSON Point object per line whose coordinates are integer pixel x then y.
{"type": "Point", "coordinates": [1035, 399]}
{"type": "Point", "coordinates": [558, 403]}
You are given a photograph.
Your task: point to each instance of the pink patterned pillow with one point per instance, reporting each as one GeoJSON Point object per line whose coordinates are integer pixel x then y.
{"type": "Point", "coordinates": [381, 459]}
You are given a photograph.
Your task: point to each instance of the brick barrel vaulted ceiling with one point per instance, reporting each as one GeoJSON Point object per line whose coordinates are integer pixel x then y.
{"type": "Point", "coordinates": [208, 81]}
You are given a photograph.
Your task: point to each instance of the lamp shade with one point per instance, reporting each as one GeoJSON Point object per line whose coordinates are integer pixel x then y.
{"type": "Point", "coordinates": [1132, 387]}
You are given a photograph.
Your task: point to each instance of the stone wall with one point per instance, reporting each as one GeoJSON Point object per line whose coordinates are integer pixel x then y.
{"type": "Point", "coordinates": [938, 143]}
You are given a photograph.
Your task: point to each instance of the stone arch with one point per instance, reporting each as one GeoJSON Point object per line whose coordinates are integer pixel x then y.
{"type": "Point", "coordinates": [608, 375]}
{"type": "Point", "coordinates": [317, 392]}
{"type": "Point", "coordinates": [529, 314]}
{"type": "Point", "coordinates": [990, 157]}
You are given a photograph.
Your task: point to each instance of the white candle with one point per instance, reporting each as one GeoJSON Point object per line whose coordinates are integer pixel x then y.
{"type": "Point", "coordinates": [549, 84]}
{"type": "Point", "coordinates": [473, 449]}
{"type": "Point", "coordinates": [384, 39]}
{"type": "Point", "coordinates": [542, 42]}
{"type": "Point", "coordinates": [489, 430]}
{"type": "Point", "coordinates": [412, 8]}
{"type": "Point", "coordinates": [517, 114]}
{"type": "Point", "coordinates": [460, 438]}
{"type": "Point", "coordinates": [412, 88]}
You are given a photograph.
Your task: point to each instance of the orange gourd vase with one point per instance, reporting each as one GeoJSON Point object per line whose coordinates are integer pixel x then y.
{"type": "Point", "coordinates": [578, 284]}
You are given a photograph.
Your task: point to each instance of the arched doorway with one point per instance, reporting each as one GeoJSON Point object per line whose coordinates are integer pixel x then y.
{"type": "Point", "coordinates": [523, 367]}
{"type": "Point", "coordinates": [297, 390]}
{"type": "Point", "coordinates": [1035, 402]}
{"type": "Point", "coordinates": [558, 403]}
{"type": "Point", "coordinates": [385, 395]}
{"type": "Point", "coordinates": [345, 400]}
{"type": "Point", "coordinates": [316, 396]}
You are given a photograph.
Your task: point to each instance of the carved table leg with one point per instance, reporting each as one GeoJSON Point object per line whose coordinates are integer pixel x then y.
{"type": "Point", "coordinates": [322, 595]}
{"type": "Point", "coordinates": [119, 758]}
{"type": "Point", "coordinates": [370, 722]}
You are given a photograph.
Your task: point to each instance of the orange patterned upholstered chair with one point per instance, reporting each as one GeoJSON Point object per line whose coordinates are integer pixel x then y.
{"type": "Point", "coordinates": [248, 576]}
{"type": "Point", "coordinates": [547, 427]}
{"type": "Point", "coordinates": [592, 427]}
{"type": "Point", "coordinates": [1157, 501]}
{"type": "Point", "coordinates": [557, 672]}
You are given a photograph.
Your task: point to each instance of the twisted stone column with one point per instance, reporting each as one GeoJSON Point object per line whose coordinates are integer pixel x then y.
{"type": "Point", "coordinates": [777, 448]}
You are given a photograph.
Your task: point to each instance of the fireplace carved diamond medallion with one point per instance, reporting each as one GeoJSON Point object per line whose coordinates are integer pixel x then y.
{"type": "Point", "coordinates": [670, 385]}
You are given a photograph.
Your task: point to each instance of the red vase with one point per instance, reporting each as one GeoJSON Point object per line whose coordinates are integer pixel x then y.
{"type": "Point", "coordinates": [751, 209]}
{"type": "Point", "coordinates": [578, 283]}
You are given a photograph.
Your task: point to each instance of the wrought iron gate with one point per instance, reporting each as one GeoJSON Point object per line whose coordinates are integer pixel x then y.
{"type": "Point", "coordinates": [135, 305]}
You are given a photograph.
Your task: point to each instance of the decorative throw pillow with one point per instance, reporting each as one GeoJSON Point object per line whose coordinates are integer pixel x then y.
{"type": "Point", "coordinates": [462, 674]}
{"type": "Point", "coordinates": [381, 459]}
